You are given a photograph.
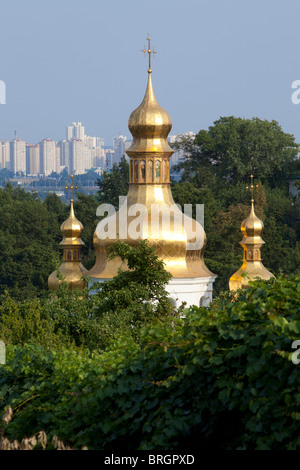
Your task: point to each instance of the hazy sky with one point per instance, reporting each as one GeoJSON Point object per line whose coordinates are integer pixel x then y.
{"type": "Point", "coordinates": [70, 60]}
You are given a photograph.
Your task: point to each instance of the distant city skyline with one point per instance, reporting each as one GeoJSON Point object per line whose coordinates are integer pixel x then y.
{"type": "Point", "coordinates": [77, 153]}
{"type": "Point", "coordinates": [65, 61]}
{"type": "Point", "coordinates": [63, 136]}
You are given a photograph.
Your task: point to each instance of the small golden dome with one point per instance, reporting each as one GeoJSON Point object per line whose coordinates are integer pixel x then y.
{"type": "Point", "coordinates": [252, 267]}
{"type": "Point", "coordinates": [71, 269]}
{"type": "Point", "coordinates": [252, 225]}
{"type": "Point", "coordinates": [71, 229]}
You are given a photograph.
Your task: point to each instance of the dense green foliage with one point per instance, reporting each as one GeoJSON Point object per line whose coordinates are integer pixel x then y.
{"type": "Point", "coordinates": [234, 147]}
{"type": "Point", "coordinates": [114, 183]}
{"type": "Point", "coordinates": [28, 243]}
{"type": "Point", "coordinates": [220, 378]}
{"type": "Point", "coordinates": [137, 294]}
{"type": "Point", "coordinates": [30, 236]}
{"type": "Point", "coordinates": [85, 209]}
{"type": "Point", "coordinates": [227, 153]}
{"type": "Point", "coordinates": [225, 207]}
{"type": "Point", "coordinates": [80, 321]}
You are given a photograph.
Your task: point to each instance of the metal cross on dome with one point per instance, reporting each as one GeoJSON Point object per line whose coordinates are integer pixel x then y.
{"type": "Point", "coordinates": [251, 187]}
{"type": "Point", "coordinates": [149, 53]}
{"type": "Point", "coordinates": [72, 187]}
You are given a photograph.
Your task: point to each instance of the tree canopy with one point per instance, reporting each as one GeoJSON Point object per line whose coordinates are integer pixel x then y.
{"type": "Point", "coordinates": [215, 170]}
{"type": "Point", "coordinates": [114, 183]}
{"type": "Point", "coordinates": [234, 147]}
{"type": "Point", "coordinates": [28, 242]}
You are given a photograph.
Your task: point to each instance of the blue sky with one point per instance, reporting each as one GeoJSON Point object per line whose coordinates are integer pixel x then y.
{"type": "Point", "coordinates": [70, 60]}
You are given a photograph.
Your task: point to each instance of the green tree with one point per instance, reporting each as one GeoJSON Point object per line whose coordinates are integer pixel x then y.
{"type": "Point", "coordinates": [137, 294]}
{"type": "Point", "coordinates": [56, 206]}
{"type": "Point", "coordinates": [85, 209]}
{"type": "Point", "coordinates": [91, 320]}
{"type": "Point", "coordinates": [234, 147]}
{"type": "Point", "coordinates": [28, 249]}
{"type": "Point", "coordinates": [225, 208]}
{"type": "Point", "coordinates": [114, 183]}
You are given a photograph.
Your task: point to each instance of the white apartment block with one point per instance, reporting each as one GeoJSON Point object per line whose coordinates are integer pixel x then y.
{"type": "Point", "coordinates": [64, 153]}
{"type": "Point", "coordinates": [18, 155]}
{"type": "Point", "coordinates": [75, 131]}
{"type": "Point", "coordinates": [94, 141]}
{"type": "Point", "coordinates": [78, 156]}
{"type": "Point", "coordinates": [59, 167]}
{"type": "Point", "coordinates": [88, 157]}
{"type": "Point", "coordinates": [119, 146]}
{"type": "Point", "coordinates": [4, 154]}
{"type": "Point", "coordinates": [98, 157]}
{"type": "Point", "coordinates": [81, 152]}
{"type": "Point", "coordinates": [47, 156]}
{"type": "Point", "coordinates": [32, 159]}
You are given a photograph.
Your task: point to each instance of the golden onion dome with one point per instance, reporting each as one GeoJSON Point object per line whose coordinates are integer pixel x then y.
{"type": "Point", "coordinates": [149, 125]}
{"type": "Point", "coordinates": [252, 225]}
{"type": "Point", "coordinates": [252, 267]}
{"type": "Point", "coordinates": [71, 229]}
{"type": "Point", "coordinates": [71, 269]}
{"type": "Point", "coordinates": [149, 211]}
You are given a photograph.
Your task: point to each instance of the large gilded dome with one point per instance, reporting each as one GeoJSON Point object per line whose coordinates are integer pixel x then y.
{"type": "Point", "coordinates": [149, 203]}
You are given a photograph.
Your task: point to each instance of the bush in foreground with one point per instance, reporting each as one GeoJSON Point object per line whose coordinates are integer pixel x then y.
{"type": "Point", "coordinates": [220, 378]}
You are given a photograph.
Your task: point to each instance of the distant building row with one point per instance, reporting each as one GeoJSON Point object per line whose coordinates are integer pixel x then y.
{"type": "Point", "coordinates": [77, 153]}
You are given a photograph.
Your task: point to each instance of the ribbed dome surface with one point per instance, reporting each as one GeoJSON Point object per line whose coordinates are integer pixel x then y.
{"type": "Point", "coordinates": [149, 125]}
{"type": "Point", "coordinates": [71, 228]}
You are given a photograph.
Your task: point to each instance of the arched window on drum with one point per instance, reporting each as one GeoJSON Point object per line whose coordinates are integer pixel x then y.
{"type": "Point", "coordinates": [165, 171]}
{"type": "Point", "coordinates": [143, 172]}
{"type": "Point", "coordinates": [131, 170]}
{"type": "Point", "coordinates": [136, 171]}
{"type": "Point", "coordinates": [149, 175]}
{"type": "Point", "coordinates": [157, 171]}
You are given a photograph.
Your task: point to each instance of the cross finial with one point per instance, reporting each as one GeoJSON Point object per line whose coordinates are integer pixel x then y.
{"type": "Point", "coordinates": [72, 187]}
{"type": "Point", "coordinates": [252, 188]}
{"type": "Point", "coordinates": [149, 53]}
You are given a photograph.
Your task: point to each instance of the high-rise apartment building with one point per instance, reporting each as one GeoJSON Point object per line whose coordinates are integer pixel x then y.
{"type": "Point", "coordinates": [78, 156]}
{"type": "Point", "coordinates": [32, 159]}
{"type": "Point", "coordinates": [47, 156]}
{"type": "Point", "coordinates": [58, 166]}
{"type": "Point", "coordinates": [4, 154]}
{"type": "Point", "coordinates": [93, 141]}
{"type": "Point", "coordinates": [119, 147]}
{"type": "Point", "coordinates": [64, 154]}
{"type": "Point", "coordinates": [81, 152]}
{"type": "Point", "coordinates": [75, 131]}
{"type": "Point", "coordinates": [98, 157]}
{"type": "Point", "coordinates": [18, 155]}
